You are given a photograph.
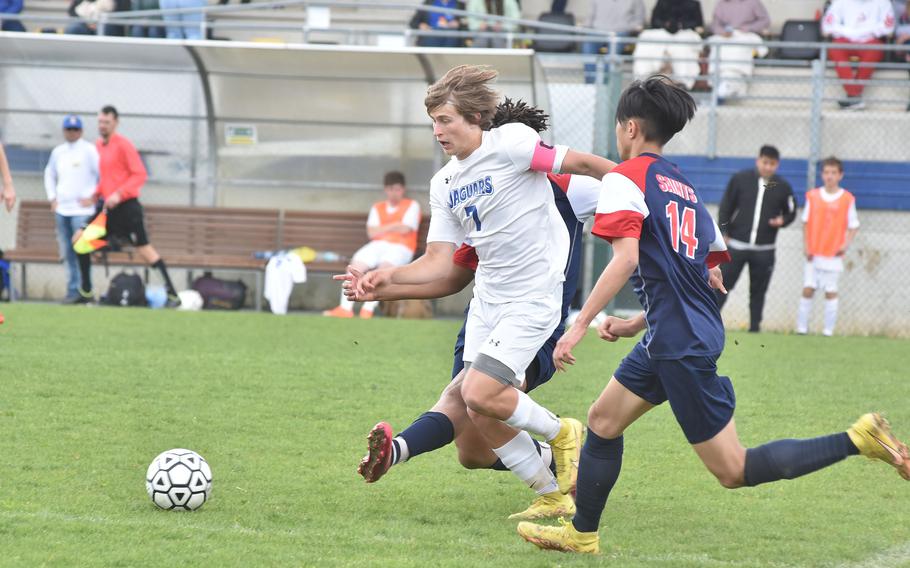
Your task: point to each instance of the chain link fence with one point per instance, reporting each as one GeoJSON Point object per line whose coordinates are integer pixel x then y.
{"type": "Point", "coordinates": [793, 105]}
{"type": "Point", "coordinates": [790, 104]}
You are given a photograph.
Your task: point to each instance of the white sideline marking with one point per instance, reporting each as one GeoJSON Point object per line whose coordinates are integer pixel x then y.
{"type": "Point", "coordinates": [895, 556]}
{"type": "Point", "coordinates": [98, 520]}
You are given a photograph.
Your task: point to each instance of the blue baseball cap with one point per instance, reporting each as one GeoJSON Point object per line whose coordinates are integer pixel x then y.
{"type": "Point", "coordinates": [72, 121]}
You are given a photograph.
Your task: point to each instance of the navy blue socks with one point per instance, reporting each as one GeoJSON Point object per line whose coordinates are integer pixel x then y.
{"type": "Point", "coordinates": [431, 431]}
{"type": "Point", "coordinates": [789, 459]}
{"type": "Point", "coordinates": [598, 470]}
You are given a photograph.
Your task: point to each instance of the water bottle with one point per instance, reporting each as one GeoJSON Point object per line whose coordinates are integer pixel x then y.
{"type": "Point", "coordinates": [328, 256]}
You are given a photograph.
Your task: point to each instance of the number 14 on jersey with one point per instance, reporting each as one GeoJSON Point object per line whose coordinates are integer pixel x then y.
{"type": "Point", "coordinates": [682, 230]}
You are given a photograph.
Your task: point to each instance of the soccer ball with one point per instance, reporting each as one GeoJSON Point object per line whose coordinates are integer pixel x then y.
{"type": "Point", "coordinates": [179, 480]}
{"type": "Point", "coordinates": [190, 300]}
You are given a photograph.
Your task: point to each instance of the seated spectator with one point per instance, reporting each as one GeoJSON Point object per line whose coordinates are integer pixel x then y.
{"type": "Point", "coordinates": [146, 31]}
{"type": "Point", "coordinates": [671, 20]}
{"type": "Point", "coordinates": [176, 31]}
{"type": "Point", "coordinates": [507, 8]}
{"type": "Point", "coordinates": [392, 228]}
{"type": "Point", "coordinates": [902, 31]}
{"type": "Point", "coordinates": [91, 11]}
{"type": "Point", "coordinates": [7, 9]}
{"type": "Point", "coordinates": [738, 25]}
{"type": "Point", "coordinates": [426, 20]}
{"type": "Point", "coordinates": [857, 22]}
{"type": "Point", "coordinates": [625, 18]}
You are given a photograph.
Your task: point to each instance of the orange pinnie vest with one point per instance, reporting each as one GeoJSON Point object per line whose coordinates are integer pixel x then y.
{"type": "Point", "coordinates": [386, 217]}
{"type": "Point", "coordinates": [826, 228]}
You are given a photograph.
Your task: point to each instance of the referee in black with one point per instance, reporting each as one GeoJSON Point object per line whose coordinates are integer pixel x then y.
{"type": "Point", "coordinates": [755, 205]}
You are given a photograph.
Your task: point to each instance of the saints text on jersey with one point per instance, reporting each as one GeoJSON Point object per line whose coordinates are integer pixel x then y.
{"type": "Point", "coordinates": [478, 187]}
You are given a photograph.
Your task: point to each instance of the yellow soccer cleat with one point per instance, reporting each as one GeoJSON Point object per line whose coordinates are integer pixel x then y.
{"type": "Point", "coordinates": [547, 506]}
{"type": "Point", "coordinates": [871, 434]}
{"type": "Point", "coordinates": [563, 537]}
{"type": "Point", "coordinates": [566, 453]}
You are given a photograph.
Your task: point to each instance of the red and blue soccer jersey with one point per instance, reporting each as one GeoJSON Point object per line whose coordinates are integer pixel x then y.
{"type": "Point", "coordinates": [647, 198]}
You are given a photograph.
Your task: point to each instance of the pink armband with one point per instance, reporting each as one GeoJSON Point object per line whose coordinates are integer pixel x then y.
{"type": "Point", "coordinates": [548, 158]}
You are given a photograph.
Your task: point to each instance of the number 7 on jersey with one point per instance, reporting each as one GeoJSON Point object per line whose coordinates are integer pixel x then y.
{"type": "Point", "coordinates": [471, 211]}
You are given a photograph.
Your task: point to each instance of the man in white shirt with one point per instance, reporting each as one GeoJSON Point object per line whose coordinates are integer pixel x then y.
{"type": "Point", "coordinates": [70, 179]}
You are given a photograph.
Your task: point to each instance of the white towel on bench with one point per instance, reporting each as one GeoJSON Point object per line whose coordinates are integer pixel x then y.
{"type": "Point", "coordinates": [281, 273]}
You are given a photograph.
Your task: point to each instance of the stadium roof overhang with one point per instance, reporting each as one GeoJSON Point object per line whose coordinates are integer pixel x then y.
{"type": "Point", "coordinates": [350, 99]}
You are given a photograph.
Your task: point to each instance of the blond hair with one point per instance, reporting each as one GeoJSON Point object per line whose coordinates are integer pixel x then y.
{"type": "Point", "coordinates": [466, 88]}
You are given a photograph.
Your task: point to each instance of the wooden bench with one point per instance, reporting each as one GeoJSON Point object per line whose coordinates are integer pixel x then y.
{"type": "Point", "coordinates": [209, 238]}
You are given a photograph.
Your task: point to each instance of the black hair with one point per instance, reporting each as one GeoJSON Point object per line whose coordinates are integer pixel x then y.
{"type": "Point", "coordinates": [768, 151]}
{"type": "Point", "coordinates": [509, 111]}
{"type": "Point", "coordinates": [110, 109]}
{"type": "Point", "coordinates": [661, 106]}
{"type": "Point", "coordinates": [393, 178]}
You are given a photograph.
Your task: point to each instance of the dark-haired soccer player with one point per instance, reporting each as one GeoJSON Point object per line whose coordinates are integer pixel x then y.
{"type": "Point", "coordinates": [664, 240]}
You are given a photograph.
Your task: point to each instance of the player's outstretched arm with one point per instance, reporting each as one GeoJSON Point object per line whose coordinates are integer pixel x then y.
{"type": "Point", "coordinates": [611, 281]}
{"type": "Point", "coordinates": [582, 163]}
{"type": "Point", "coordinates": [455, 281]}
{"type": "Point", "coordinates": [432, 266]}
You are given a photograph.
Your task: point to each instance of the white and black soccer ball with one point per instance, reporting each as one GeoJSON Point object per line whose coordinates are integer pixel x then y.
{"type": "Point", "coordinates": [179, 480]}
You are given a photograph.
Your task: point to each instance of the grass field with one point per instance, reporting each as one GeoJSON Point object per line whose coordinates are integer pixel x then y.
{"type": "Point", "coordinates": [280, 407]}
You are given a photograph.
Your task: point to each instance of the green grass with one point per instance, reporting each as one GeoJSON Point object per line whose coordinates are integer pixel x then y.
{"type": "Point", "coordinates": [280, 407]}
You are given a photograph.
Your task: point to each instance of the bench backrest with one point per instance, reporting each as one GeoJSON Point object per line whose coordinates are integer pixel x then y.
{"type": "Point", "coordinates": [342, 233]}
{"type": "Point", "coordinates": [35, 229]}
{"type": "Point", "coordinates": [212, 231]}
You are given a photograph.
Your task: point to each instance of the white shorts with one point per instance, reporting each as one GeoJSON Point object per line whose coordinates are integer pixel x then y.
{"type": "Point", "coordinates": [817, 278]}
{"type": "Point", "coordinates": [379, 252]}
{"type": "Point", "coordinates": [511, 333]}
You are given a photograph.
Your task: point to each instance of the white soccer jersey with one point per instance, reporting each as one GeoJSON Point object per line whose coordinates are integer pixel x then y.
{"type": "Point", "coordinates": [493, 201]}
{"type": "Point", "coordinates": [583, 193]}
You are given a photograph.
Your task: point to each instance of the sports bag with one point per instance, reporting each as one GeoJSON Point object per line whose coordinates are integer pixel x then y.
{"type": "Point", "coordinates": [125, 290]}
{"type": "Point", "coordinates": [220, 294]}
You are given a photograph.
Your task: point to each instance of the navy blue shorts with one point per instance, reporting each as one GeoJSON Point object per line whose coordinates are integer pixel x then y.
{"type": "Point", "coordinates": [538, 372]}
{"type": "Point", "coordinates": [702, 401]}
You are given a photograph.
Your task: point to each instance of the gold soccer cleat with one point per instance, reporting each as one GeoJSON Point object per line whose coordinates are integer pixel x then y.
{"type": "Point", "coordinates": [871, 434]}
{"type": "Point", "coordinates": [547, 506]}
{"type": "Point", "coordinates": [563, 537]}
{"type": "Point", "coordinates": [566, 452]}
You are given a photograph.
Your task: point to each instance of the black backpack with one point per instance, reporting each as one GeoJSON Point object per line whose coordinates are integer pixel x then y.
{"type": "Point", "coordinates": [220, 294]}
{"type": "Point", "coordinates": [125, 290]}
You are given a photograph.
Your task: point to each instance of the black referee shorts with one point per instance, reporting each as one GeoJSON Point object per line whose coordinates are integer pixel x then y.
{"type": "Point", "coordinates": [125, 222]}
